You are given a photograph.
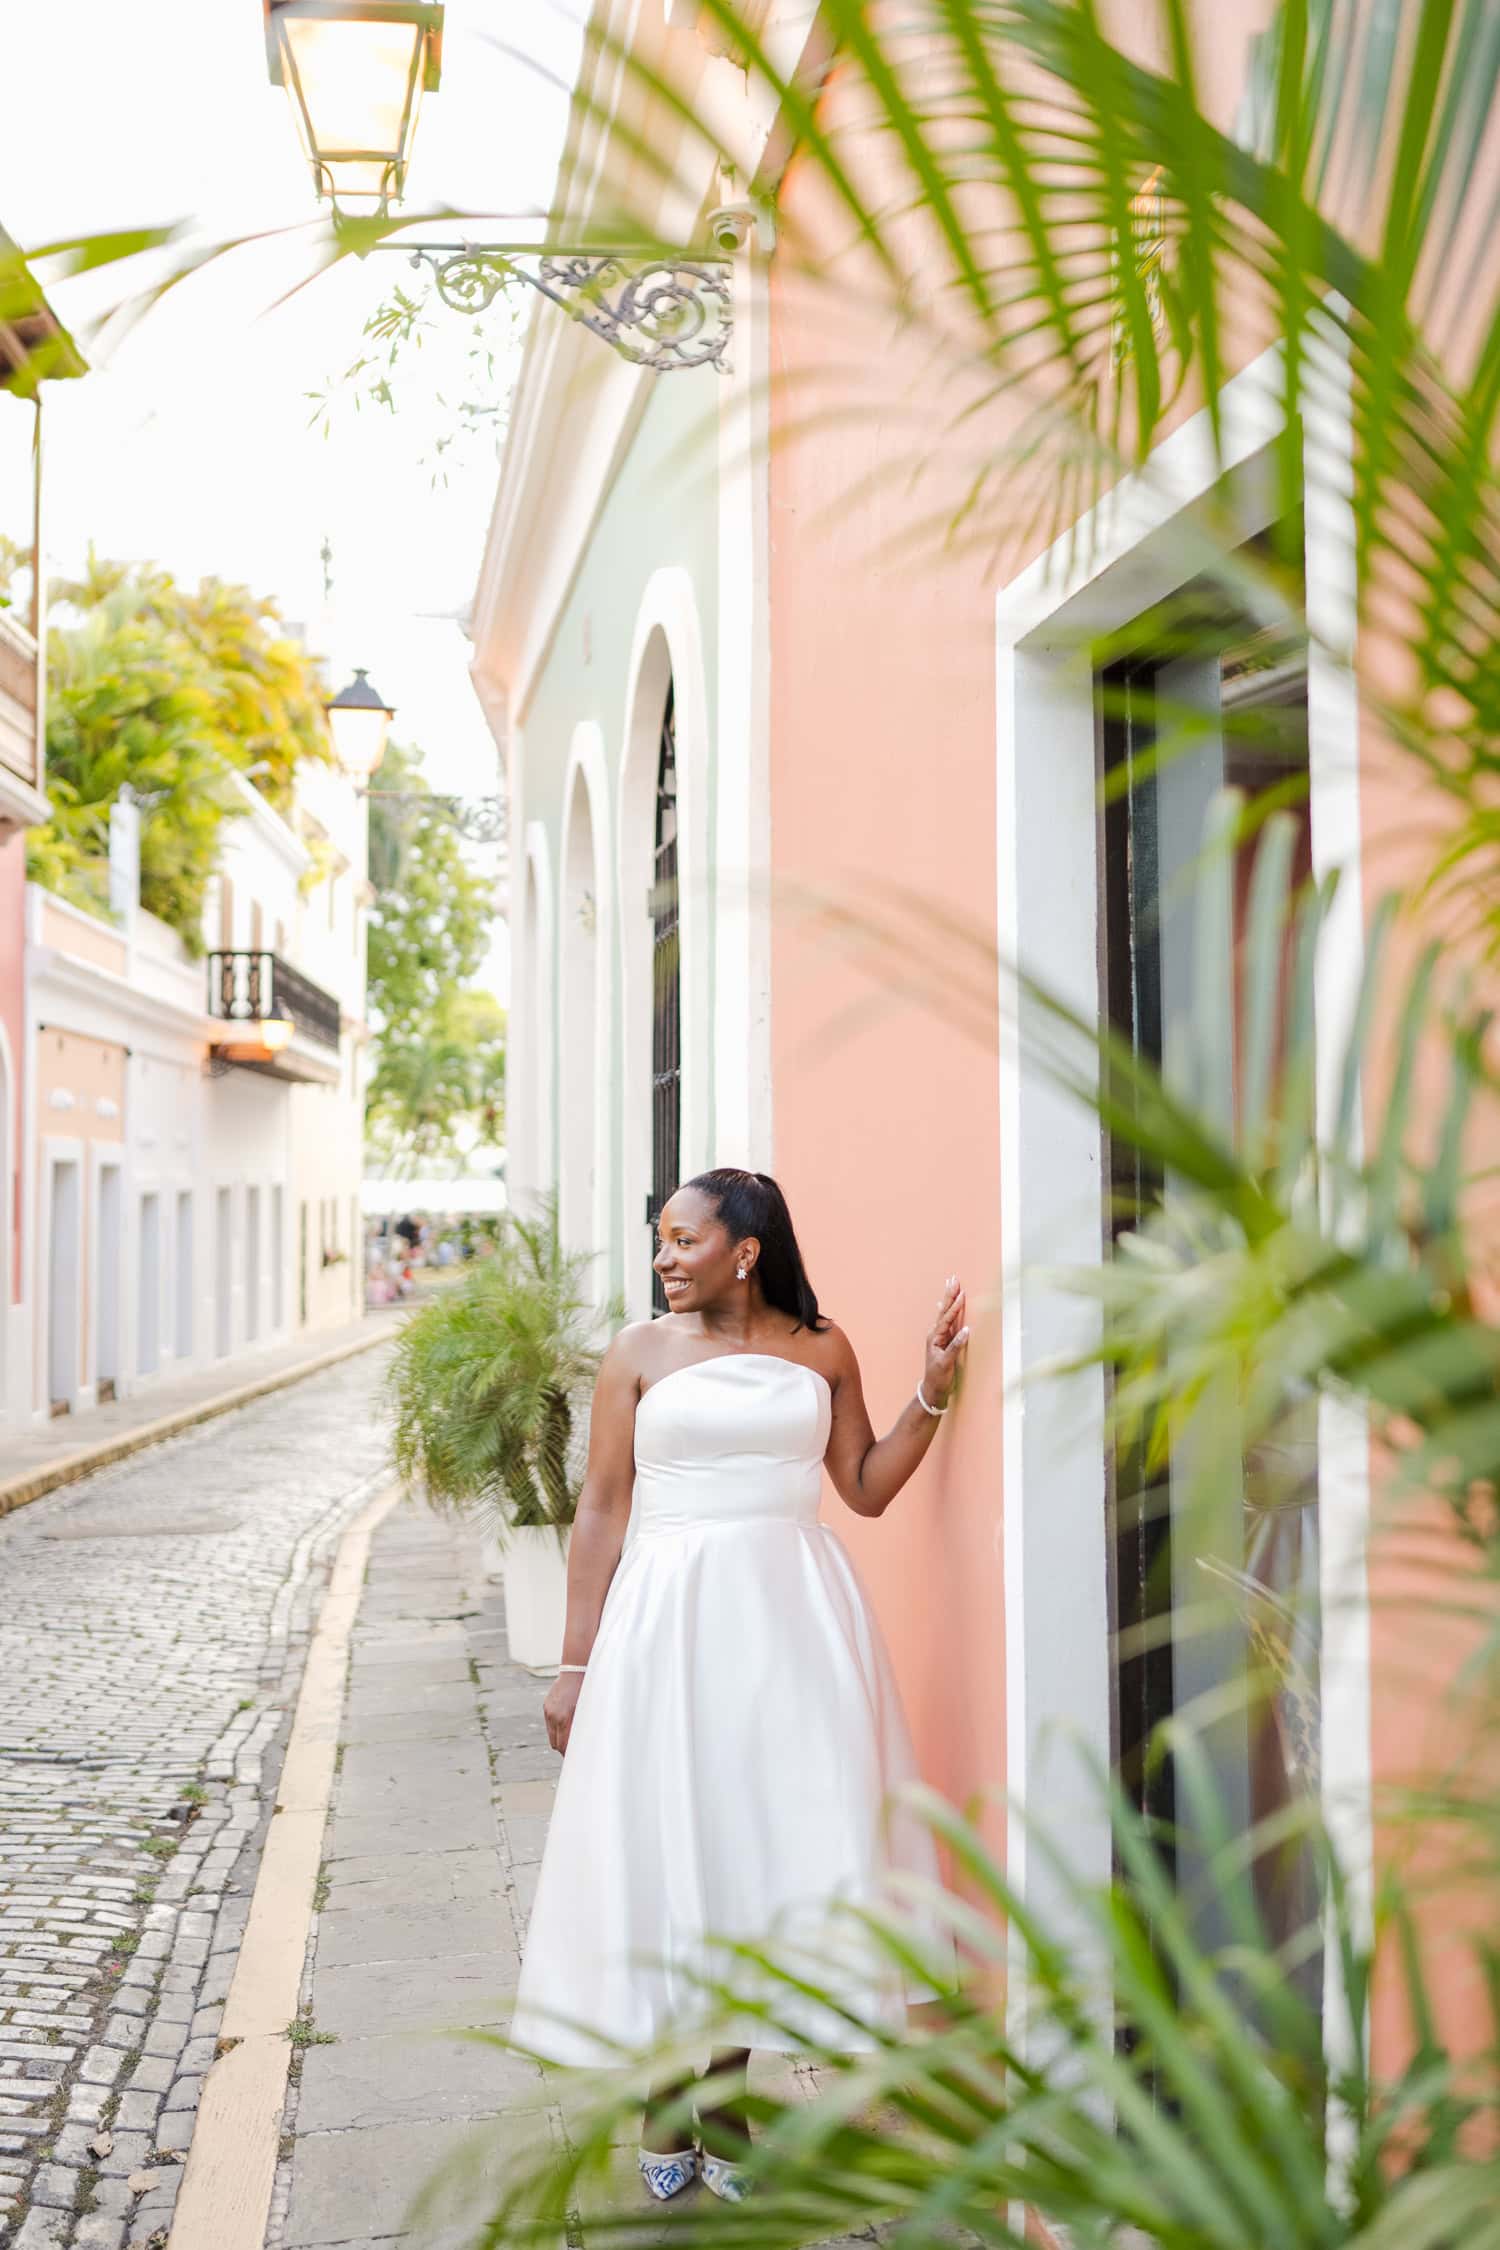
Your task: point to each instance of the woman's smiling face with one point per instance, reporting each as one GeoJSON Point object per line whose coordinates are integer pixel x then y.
{"type": "Point", "coordinates": [695, 1258]}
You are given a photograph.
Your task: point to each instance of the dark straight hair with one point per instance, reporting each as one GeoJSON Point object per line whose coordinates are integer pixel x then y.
{"type": "Point", "coordinates": [751, 1203]}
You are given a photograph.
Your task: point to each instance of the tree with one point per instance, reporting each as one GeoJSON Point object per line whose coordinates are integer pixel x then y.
{"type": "Point", "coordinates": [433, 909]}
{"type": "Point", "coordinates": [466, 373]}
{"type": "Point", "coordinates": [439, 1071]}
{"type": "Point", "coordinates": [437, 1083]}
{"type": "Point", "coordinates": [171, 694]}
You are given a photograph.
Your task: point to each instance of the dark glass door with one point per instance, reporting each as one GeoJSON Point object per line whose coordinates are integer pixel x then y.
{"type": "Point", "coordinates": [666, 992]}
{"type": "Point", "coordinates": [1214, 1579]}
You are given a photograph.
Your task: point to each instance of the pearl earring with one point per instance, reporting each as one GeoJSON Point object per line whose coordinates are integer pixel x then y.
{"type": "Point", "coordinates": [743, 1272]}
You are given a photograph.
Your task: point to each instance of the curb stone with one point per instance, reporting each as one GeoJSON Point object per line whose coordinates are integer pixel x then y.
{"type": "Point", "coordinates": [16, 1492]}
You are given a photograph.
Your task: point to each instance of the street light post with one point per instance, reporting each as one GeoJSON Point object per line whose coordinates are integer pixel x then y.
{"type": "Point", "coordinates": [356, 71]}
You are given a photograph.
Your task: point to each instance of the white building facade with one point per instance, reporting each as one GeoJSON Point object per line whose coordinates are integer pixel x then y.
{"type": "Point", "coordinates": [195, 1124]}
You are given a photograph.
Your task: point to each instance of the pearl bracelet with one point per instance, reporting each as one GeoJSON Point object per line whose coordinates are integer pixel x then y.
{"type": "Point", "coordinates": [572, 1667]}
{"type": "Point", "coordinates": [934, 1411]}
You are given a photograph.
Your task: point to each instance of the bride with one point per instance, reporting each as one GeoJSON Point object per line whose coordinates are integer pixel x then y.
{"type": "Point", "coordinates": [730, 1724]}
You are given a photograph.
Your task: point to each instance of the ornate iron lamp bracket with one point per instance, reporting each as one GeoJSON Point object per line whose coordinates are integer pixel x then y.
{"type": "Point", "coordinates": [482, 820]}
{"type": "Point", "coordinates": [662, 312]}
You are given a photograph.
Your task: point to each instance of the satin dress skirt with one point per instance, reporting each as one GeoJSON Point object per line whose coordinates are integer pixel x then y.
{"type": "Point", "coordinates": [735, 1745]}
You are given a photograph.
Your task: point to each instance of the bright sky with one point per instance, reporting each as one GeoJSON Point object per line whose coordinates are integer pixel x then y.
{"type": "Point", "coordinates": [191, 445]}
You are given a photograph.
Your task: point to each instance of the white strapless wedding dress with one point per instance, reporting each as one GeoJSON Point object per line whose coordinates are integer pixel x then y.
{"type": "Point", "coordinates": [737, 1736]}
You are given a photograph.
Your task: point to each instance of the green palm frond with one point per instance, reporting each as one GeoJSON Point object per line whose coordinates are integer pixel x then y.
{"type": "Point", "coordinates": [1197, 2106]}
{"type": "Point", "coordinates": [1078, 248]}
{"type": "Point", "coordinates": [489, 1383]}
{"type": "Point", "coordinates": [1277, 1257]}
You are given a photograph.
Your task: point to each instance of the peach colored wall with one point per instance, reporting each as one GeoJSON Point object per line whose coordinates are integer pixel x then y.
{"type": "Point", "coordinates": [92, 1071]}
{"type": "Point", "coordinates": [885, 1113]}
{"type": "Point", "coordinates": [885, 1116]}
{"type": "Point", "coordinates": [12, 1017]}
{"type": "Point", "coordinates": [884, 1007]}
{"type": "Point", "coordinates": [82, 936]}
{"type": "Point", "coordinates": [1433, 1612]}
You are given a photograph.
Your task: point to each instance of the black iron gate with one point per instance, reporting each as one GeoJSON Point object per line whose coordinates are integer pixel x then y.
{"type": "Point", "coordinates": [666, 991]}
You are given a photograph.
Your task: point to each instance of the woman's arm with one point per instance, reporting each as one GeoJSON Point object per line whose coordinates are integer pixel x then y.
{"type": "Point", "coordinates": [867, 1471]}
{"type": "Point", "coordinates": [599, 1525]}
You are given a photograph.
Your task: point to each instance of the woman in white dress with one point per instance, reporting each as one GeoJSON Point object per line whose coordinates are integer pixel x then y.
{"type": "Point", "coordinates": [726, 1708]}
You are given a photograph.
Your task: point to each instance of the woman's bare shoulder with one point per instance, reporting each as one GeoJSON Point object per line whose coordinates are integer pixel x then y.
{"type": "Point", "coordinates": [831, 1353]}
{"type": "Point", "coordinates": [628, 1355]}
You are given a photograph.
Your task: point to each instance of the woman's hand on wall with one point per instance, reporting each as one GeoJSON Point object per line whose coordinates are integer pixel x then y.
{"type": "Point", "coordinates": [947, 1340]}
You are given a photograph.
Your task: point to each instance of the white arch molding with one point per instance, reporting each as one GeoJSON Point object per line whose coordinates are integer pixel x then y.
{"type": "Point", "coordinates": [585, 1003]}
{"type": "Point", "coordinates": [537, 1169]}
{"type": "Point", "coordinates": [667, 648]}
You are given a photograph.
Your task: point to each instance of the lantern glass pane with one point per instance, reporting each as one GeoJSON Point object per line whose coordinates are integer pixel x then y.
{"type": "Point", "coordinates": [359, 739]}
{"type": "Point", "coordinates": [351, 177]}
{"type": "Point", "coordinates": [355, 81]}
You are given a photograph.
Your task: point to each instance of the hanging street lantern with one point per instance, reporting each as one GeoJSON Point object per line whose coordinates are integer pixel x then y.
{"type": "Point", "coordinates": [359, 719]}
{"type": "Point", "coordinates": [360, 723]}
{"type": "Point", "coordinates": [355, 71]}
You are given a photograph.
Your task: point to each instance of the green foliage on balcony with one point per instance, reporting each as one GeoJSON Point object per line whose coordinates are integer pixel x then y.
{"type": "Point", "coordinates": [171, 693]}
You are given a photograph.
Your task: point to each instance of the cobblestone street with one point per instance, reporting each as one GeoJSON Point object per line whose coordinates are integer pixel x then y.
{"type": "Point", "coordinates": [150, 1645]}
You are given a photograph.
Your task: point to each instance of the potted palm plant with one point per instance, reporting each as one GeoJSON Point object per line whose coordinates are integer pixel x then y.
{"type": "Point", "coordinates": [489, 1387]}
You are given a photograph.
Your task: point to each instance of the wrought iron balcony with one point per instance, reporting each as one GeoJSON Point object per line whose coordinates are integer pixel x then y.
{"type": "Point", "coordinates": [255, 987]}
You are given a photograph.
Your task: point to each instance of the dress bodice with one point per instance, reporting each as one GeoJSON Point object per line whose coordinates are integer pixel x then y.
{"type": "Point", "coordinates": [732, 1439]}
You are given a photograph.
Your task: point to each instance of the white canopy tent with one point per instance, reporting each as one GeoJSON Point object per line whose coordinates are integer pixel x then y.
{"type": "Point", "coordinates": [382, 1199]}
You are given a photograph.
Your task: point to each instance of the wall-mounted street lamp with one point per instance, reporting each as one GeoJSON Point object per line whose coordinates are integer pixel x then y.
{"type": "Point", "coordinates": [359, 719]}
{"type": "Point", "coordinates": [356, 71]}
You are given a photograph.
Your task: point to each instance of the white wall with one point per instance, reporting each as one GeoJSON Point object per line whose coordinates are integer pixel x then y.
{"type": "Point", "coordinates": [190, 1130]}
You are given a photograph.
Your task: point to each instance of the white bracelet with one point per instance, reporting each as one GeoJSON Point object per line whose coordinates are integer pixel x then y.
{"type": "Point", "coordinates": [572, 1667]}
{"type": "Point", "coordinates": [934, 1411]}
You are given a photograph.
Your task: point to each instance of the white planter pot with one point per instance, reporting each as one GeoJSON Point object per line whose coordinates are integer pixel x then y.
{"type": "Point", "coordinates": [536, 1597]}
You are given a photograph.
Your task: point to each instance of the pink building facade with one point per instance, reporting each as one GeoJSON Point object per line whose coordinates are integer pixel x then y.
{"type": "Point", "coordinates": [710, 636]}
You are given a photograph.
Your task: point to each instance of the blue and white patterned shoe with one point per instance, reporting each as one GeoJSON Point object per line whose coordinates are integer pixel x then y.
{"type": "Point", "coordinates": [728, 2181]}
{"type": "Point", "coordinates": [667, 2176]}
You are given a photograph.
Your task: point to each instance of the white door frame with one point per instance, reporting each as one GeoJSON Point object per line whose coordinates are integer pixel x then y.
{"type": "Point", "coordinates": [107, 1156]}
{"type": "Point", "coordinates": [186, 1310]}
{"type": "Point", "coordinates": [57, 1150]}
{"type": "Point", "coordinates": [1141, 542]}
{"type": "Point", "coordinates": [143, 1185]}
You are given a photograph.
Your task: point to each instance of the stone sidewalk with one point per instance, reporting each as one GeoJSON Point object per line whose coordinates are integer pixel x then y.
{"type": "Point", "coordinates": [44, 1456]}
{"type": "Point", "coordinates": [444, 1786]}
{"type": "Point", "coordinates": [444, 1782]}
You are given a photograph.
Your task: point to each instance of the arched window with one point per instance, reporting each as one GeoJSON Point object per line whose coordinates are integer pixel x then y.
{"type": "Point", "coordinates": [666, 991]}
